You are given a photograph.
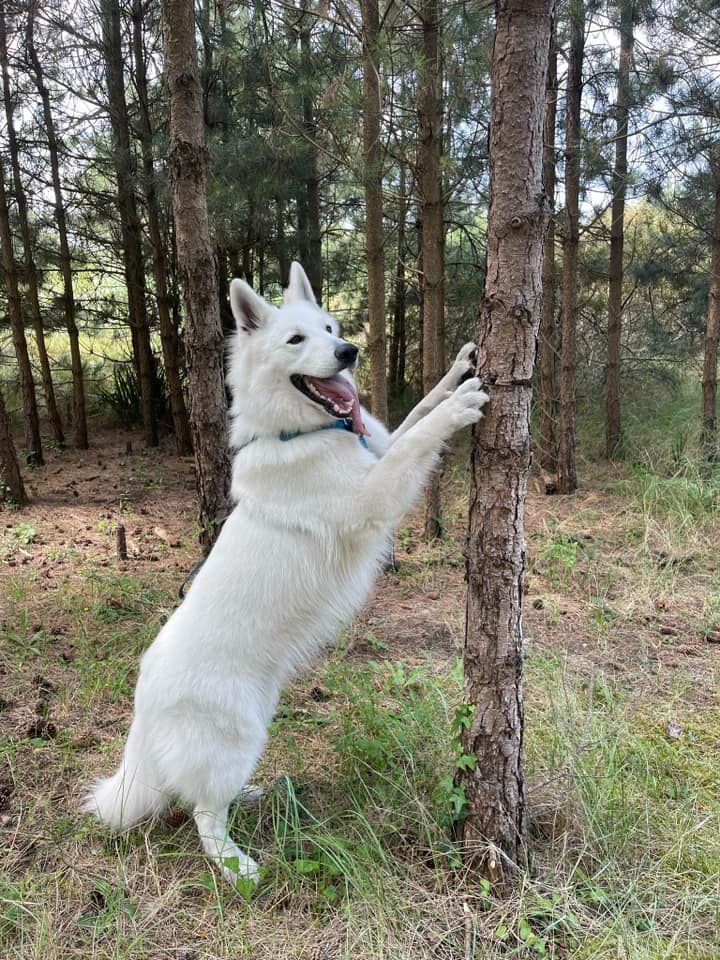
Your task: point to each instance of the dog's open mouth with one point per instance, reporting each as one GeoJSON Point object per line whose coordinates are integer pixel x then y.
{"type": "Point", "coordinates": [336, 395]}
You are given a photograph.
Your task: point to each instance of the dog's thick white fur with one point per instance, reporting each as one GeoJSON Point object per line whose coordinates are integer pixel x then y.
{"type": "Point", "coordinates": [296, 559]}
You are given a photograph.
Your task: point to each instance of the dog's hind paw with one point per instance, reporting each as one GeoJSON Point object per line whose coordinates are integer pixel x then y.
{"type": "Point", "coordinates": [241, 871]}
{"type": "Point", "coordinates": [250, 795]}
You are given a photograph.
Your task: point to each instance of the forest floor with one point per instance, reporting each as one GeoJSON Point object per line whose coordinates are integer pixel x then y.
{"type": "Point", "coordinates": [622, 623]}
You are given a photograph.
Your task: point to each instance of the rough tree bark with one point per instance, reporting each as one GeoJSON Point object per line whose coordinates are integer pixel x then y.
{"type": "Point", "coordinates": [124, 162]}
{"type": "Point", "coordinates": [613, 423]}
{"type": "Point", "coordinates": [372, 163]}
{"type": "Point", "coordinates": [79, 420]}
{"type": "Point", "coordinates": [31, 420]}
{"type": "Point", "coordinates": [709, 438]}
{"type": "Point", "coordinates": [313, 265]}
{"type": "Point", "coordinates": [398, 340]}
{"type": "Point", "coordinates": [493, 830]}
{"type": "Point", "coordinates": [9, 467]}
{"type": "Point", "coordinates": [282, 249]}
{"type": "Point", "coordinates": [547, 381]}
{"type": "Point", "coordinates": [168, 333]}
{"type": "Point", "coordinates": [430, 131]}
{"type": "Point", "coordinates": [566, 470]}
{"type": "Point", "coordinates": [30, 270]}
{"type": "Point", "coordinates": [204, 342]}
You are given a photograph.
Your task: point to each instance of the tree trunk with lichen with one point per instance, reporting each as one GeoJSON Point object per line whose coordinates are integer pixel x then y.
{"type": "Point", "coordinates": [204, 343]}
{"type": "Point", "coordinates": [493, 828]}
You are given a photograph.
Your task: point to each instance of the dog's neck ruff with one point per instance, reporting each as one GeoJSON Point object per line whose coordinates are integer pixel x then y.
{"type": "Point", "coordinates": [286, 435]}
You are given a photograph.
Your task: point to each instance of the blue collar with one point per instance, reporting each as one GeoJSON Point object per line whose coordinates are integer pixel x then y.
{"type": "Point", "coordinates": [286, 435]}
{"type": "Point", "coordinates": [335, 425]}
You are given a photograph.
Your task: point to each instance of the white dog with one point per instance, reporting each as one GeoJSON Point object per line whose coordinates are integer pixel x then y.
{"type": "Point", "coordinates": [296, 559]}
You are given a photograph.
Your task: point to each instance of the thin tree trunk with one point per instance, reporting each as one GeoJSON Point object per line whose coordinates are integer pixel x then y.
{"type": "Point", "coordinates": [282, 248]}
{"type": "Point", "coordinates": [31, 420]}
{"type": "Point", "coordinates": [712, 335]}
{"type": "Point", "coordinates": [204, 343]}
{"type": "Point", "coordinates": [168, 334]}
{"type": "Point", "coordinates": [30, 269]}
{"type": "Point", "coordinates": [372, 163]}
{"type": "Point", "coordinates": [493, 830]}
{"type": "Point", "coordinates": [226, 318]}
{"type": "Point", "coordinates": [124, 162]}
{"type": "Point", "coordinates": [613, 423]}
{"type": "Point", "coordinates": [567, 472]}
{"type": "Point", "coordinates": [430, 124]}
{"type": "Point", "coordinates": [9, 466]}
{"type": "Point", "coordinates": [399, 336]}
{"type": "Point", "coordinates": [79, 420]}
{"type": "Point", "coordinates": [313, 266]}
{"type": "Point", "coordinates": [548, 343]}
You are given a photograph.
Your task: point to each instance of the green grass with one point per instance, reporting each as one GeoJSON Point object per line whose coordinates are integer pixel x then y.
{"type": "Point", "coordinates": [623, 776]}
{"type": "Point", "coordinates": [353, 835]}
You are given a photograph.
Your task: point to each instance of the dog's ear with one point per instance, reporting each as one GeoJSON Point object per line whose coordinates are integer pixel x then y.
{"type": "Point", "coordinates": [249, 308]}
{"type": "Point", "coordinates": [299, 289]}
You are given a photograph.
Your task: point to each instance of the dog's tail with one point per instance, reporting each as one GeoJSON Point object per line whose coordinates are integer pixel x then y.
{"type": "Point", "coordinates": [127, 797]}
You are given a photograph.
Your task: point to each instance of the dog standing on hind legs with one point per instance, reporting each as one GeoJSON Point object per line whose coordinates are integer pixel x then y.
{"type": "Point", "coordinates": [318, 485]}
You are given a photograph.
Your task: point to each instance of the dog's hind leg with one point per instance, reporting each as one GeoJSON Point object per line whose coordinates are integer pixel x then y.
{"type": "Point", "coordinates": [212, 825]}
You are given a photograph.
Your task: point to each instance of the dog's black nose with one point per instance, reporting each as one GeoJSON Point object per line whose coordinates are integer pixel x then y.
{"type": "Point", "coordinates": [347, 353]}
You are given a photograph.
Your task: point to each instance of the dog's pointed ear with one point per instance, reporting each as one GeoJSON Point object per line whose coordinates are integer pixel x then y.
{"type": "Point", "coordinates": [299, 288]}
{"type": "Point", "coordinates": [249, 308]}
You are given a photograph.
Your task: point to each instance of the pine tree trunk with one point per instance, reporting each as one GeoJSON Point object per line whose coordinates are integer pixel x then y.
{"type": "Point", "coordinates": [709, 439]}
{"type": "Point", "coordinates": [398, 341]}
{"type": "Point", "coordinates": [493, 830]}
{"type": "Point", "coordinates": [313, 266]}
{"type": "Point", "coordinates": [567, 472]}
{"type": "Point", "coordinates": [29, 260]}
{"type": "Point", "coordinates": [9, 467]}
{"type": "Point", "coordinates": [282, 248]}
{"type": "Point", "coordinates": [79, 420]}
{"type": "Point", "coordinates": [430, 127]}
{"type": "Point", "coordinates": [613, 423]}
{"type": "Point", "coordinates": [168, 334]}
{"type": "Point", "coordinates": [548, 339]}
{"type": "Point", "coordinates": [125, 172]}
{"type": "Point", "coordinates": [31, 420]}
{"type": "Point", "coordinates": [204, 343]}
{"type": "Point", "coordinates": [372, 161]}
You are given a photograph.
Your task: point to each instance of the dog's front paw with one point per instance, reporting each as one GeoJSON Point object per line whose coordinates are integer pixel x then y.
{"type": "Point", "coordinates": [463, 367]}
{"type": "Point", "coordinates": [466, 403]}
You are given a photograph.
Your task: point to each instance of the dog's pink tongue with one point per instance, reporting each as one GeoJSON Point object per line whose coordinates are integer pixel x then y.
{"type": "Point", "coordinates": [342, 391]}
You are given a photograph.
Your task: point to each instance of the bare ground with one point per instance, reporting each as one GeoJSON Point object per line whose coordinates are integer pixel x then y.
{"type": "Point", "coordinates": [611, 592]}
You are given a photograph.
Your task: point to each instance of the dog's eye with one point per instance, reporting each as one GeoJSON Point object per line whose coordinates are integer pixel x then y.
{"type": "Point", "coordinates": [298, 338]}
{"type": "Point", "coordinates": [328, 328]}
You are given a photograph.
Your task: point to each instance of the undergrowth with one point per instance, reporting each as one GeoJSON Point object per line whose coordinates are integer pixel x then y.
{"type": "Point", "coordinates": [353, 833]}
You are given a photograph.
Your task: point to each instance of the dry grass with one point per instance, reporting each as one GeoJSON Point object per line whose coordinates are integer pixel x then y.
{"type": "Point", "coordinates": [623, 741]}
